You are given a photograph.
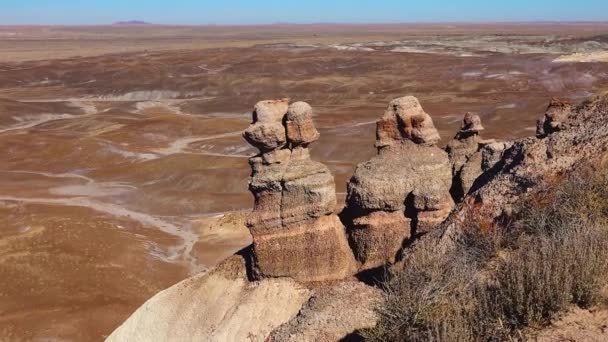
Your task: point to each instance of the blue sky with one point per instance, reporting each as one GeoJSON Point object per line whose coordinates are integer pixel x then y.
{"type": "Point", "coordinates": [302, 11]}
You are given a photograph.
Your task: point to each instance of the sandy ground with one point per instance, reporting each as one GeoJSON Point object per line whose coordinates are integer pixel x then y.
{"type": "Point", "coordinates": [578, 325]}
{"type": "Point", "coordinates": [20, 43]}
{"type": "Point", "coordinates": [589, 57]}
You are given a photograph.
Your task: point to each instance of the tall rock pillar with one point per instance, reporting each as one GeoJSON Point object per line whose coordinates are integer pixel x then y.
{"type": "Point", "coordinates": [404, 190]}
{"type": "Point", "coordinates": [295, 230]}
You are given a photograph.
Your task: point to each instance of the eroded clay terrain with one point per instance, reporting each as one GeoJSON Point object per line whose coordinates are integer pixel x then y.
{"type": "Point", "coordinates": [115, 165]}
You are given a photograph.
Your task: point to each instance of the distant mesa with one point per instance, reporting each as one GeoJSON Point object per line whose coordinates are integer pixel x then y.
{"type": "Point", "coordinates": [132, 23]}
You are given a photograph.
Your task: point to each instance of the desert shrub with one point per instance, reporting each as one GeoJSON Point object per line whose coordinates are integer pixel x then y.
{"type": "Point", "coordinates": [546, 274]}
{"type": "Point", "coordinates": [426, 293]}
{"type": "Point", "coordinates": [498, 282]}
{"type": "Point", "coordinates": [433, 298]}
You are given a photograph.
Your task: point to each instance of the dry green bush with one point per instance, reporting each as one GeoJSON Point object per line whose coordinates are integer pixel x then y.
{"type": "Point", "coordinates": [497, 283]}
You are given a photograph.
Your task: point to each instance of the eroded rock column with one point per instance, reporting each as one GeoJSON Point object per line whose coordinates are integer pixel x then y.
{"type": "Point", "coordinates": [465, 156]}
{"type": "Point", "coordinates": [295, 230]}
{"type": "Point", "coordinates": [556, 114]}
{"type": "Point", "coordinates": [402, 191]}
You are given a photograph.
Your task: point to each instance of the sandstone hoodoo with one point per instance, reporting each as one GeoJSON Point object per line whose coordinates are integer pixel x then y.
{"type": "Point", "coordinates": [554, 118]}
{"type": "Point", "coordinates": [401, 192]}
{"type": "Point", "coordinates": [393, 198]}
{"type": "Point", "coordinates": [465, 156]}
{"type": "Point", "coordinates": [405, 120]}
{"type": "Point", "coordinates": [295, 230]}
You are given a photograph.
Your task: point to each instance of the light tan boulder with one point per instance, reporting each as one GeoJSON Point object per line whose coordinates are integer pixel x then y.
{"type": "Point", "coordinates": [217, 306]}
{"type": "Point", "coordinates": [266, 131]}
{"type": "Point", "coordinates": [266, 136]}
{"type": "Point", "coordinates": [270, 110]}
{"type": "Point", "coordinates": [301, 129]}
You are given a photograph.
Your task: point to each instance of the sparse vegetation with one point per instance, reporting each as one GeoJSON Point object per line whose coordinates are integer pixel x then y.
{"type": "Point", "coordinates": [500, 282]}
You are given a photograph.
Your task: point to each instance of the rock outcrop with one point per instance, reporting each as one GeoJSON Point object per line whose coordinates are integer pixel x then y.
{"type": "Point", "coordinates": [401, 192]}
{"type": "Point", "coordinates": [332, 313]}
{"type": "Point", "coordinates": [295, 231]}
{"type": "Point", "coordinates": [554, 118]}
{"type": "Point", "coordinates": [465, 156]}
{"type": "Point", "coordinates": [405, 120]}
{"type": "Point", "coordinates": [526, 166]}
{"type": "Point", "coordinates": [220, 305]}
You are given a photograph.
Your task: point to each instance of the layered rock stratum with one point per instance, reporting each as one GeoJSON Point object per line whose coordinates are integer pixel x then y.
{"type": "Point", "coordinates": [220, 305]}
{"type": "Point", "coordinates": [294, 283]}
{"type": "Point", "coordinates": [295, 230]}
{"type": "Point", "coordinates": [404, 190]}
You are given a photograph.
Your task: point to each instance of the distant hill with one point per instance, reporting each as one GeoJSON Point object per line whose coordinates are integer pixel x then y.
{"type": "Point", "coordinates": [132, 23]}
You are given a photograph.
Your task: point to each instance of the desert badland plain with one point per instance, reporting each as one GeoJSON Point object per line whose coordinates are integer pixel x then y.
{"type": "Point", "coordinates": [120, 144]}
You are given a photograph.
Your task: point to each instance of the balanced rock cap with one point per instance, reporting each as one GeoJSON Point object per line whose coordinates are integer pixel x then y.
{"type": "Point", "coordinates": [266, 136]}
{"type": "Point", "coordinates": [471, 123]}
{"type": "Point", "coordinates": [557, 111]}
{"type": "Point", "coordinates": [270, 110]}
{"type": "Point", "coordinates": [267, 132]}
{"type": "Point", "coordinates": [556, 114]}
{"type": "Point", "coordinates": [404, 119]}
{"type": "Point", "coordinates": [301, 129]}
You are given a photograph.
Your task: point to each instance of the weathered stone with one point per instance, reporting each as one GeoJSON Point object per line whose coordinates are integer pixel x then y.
{"type": "Point", "coordinates": [378, 236]}
{"type": "Point", "coordinates": [470, 172]}
{"type": "Point", "coordinates": [270, 111]}
{"type": "Point", "coordinates": [216, 306]}
{"type": "Point", "coordinates": [300, 152]}
{"type": "Point", "coordinates": [492, 153]}
{"type": "Point", "coordinates": [384, 182]}
{"type": "Point", "coordinates": [432, 204]}
{"type": "Point", "coordinates": [409, 180]}
{"type": "Point", "coordinates": [404, 119]}
{"type": "Point", "coordinates": [274, 157]}
{"type": "Point", "coordinates": [310, 251]}
{"type": "Point", "coordinates": [308, 192]}
{"type": "Point", "coordinates": [288, 193]}
{"type": "Point", "coordinates": [463, 151]}
{"type": "Point", "coordinates": [266, 136]}
{"type": "Point", "coordinates": [460, 150]}
{"type": "Point", "coordinates": [295, 232]}
{"type": "Point", "coordinates": [332, 313]}
{"type": "Point", "coordinates": [471, 124]}
{"type": "Point", "coordinates": [267, 132]}
{"type": "Point", "coordinates": [300, 127]}
{"type": "Point", "coordinates": [556, 114]}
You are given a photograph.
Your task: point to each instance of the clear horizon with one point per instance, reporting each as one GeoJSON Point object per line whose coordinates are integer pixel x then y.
{"type": "Point", "coordinates": [248, 12]}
